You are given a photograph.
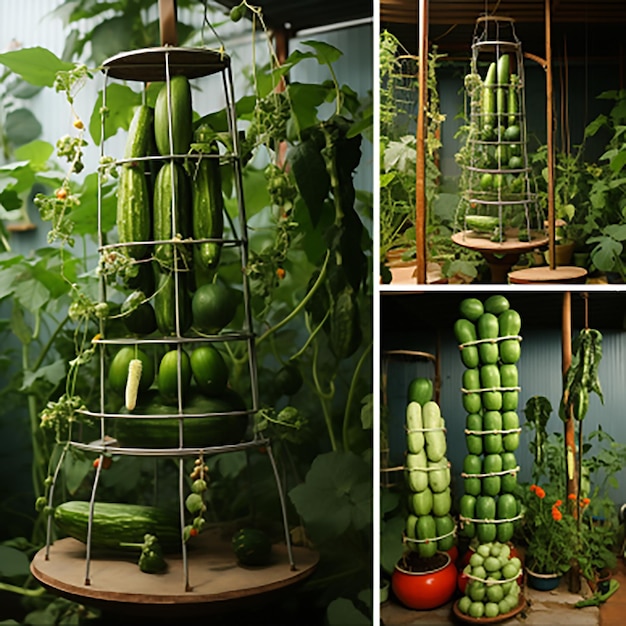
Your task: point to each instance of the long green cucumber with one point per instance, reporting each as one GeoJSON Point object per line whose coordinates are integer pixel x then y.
{"type": "Point", "coordinates": [116, 523]}
{"type": "Point", "coordinates": [489, 98]}
{"type": "Point", "coordinates": [170, 212]}
{"type": "Point", "coordinates": [166, 301]}
{"type": "Point", "coordinates": [133, 202]}
{"type": "Point", "coordinates": [179, 94]}
{"type": "Point", "coordinates": [501, 92]}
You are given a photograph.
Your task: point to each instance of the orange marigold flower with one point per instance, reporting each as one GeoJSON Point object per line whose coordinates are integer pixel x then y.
{"type": "Point", "coordinates": [557, 516]}
{"type": "Point", "coordinates": [585, 502]}
{"type": "Point", "coordinates": [571, 496]}
{"type": "Point", "coordinates": [540, 493]}
{"type": "Point", "coordinates": [533, 488]}
{"type": "Point", "coordinates": [558, 503]}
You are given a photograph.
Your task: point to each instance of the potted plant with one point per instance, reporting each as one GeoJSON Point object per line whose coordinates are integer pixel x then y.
{"type": "Point", "coordinates": [549, 533]}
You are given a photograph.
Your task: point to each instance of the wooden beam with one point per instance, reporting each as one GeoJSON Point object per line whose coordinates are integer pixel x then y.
{"type": "Point", "coordinates": [420, 160]}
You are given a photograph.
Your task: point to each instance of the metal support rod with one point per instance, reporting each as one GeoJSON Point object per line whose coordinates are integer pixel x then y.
{"type": "Point", "coordinates": [420, 160]}
{"type": "Point", "coordinates": [569, 426]}
{"type": "Point", "coordinates": [550, 137]}
{"type": "Point", "coordinates": [167, 23]}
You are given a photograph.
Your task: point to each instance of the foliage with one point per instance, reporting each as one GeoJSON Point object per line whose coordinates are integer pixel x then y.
{"type": "Point", "coordinates": [399, 92]}
{"type": "Point", "coordinates": [549, 531]}
{"type": "Point", "coordinates": [308, 248]}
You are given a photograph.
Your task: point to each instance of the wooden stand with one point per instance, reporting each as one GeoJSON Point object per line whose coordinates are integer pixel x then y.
{"type": "Point", "coordinates": [219, 584]}
{"type": "Point", "coordinates": [544, 274]}
{"type": "Point", "coordinates": [501, 256]}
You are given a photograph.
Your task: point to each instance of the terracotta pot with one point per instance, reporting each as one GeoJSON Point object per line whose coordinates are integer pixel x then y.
{"type": "Point", "coordinates": [564, 252]}
{"type": "Point", "coordinates": [425, 590]}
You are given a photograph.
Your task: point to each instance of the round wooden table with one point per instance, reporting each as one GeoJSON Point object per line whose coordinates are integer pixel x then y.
{"type": "Point", "coordinates": [501, 256]}
{"type": "Point", "coordinates": [218, 583]}
{"type": "Point", "coordinates": [545, 275]}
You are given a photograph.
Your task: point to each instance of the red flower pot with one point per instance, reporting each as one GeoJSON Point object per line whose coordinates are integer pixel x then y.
{"type": "Point", "coordinates": [425, 590]}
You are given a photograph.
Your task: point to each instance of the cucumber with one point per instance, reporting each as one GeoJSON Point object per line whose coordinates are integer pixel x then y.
{"type": "Point", "coordinates": [496, 304]}
{"type": "Point", "coordinates": [181, 117]}
{"type": "Point", "coordinates": [133, 202]}
{"type": "Point", "coordinates": [170, 214]}
{"type": "Point", "coordinates": [509, 323]}
{"type": "Point", "coordinates": [489, 97]}
{"type": "Point", "coordinates": [420, 390]}
{"type": "Point", "coordinates": [115, 523]}
{"type": "Point", "coordinates": [435, 439]}
{"type": "Point", "coordinates": [207, 210]}
{"type": "Point", "coordinates": [166, 303]}
{"type": "Point", "coordinates": [474, 442]}
{"type": "Point", "coordinates": [467, 510]}
{"type": "Point", "coordinates": [465, 332]}
{"type": "Point", "coordinates": [501, 92]}
{"type": "Point", "coordinates": [415, 436]}
{"type": "Point", "coordinates": [444, 525]}
{"type": "Point", "coordinates": [487, 326]}
{"type": "Point", "coordinates": [513, 103]}
{"type": "Point", "coordinates": [492, 464]}
{"type": "Point", "coordinates": [421, 502]}
{"type": "Point", "coordinates": [416, 474]}
{"type": "Point", "coordinates": [442, 502]}
{"type": "Point", "coordinates": [482, 223]}
{"type": "Point", "coordinates": [439, 476]}
{"type": "Point", "coordinates": [471, 309]}
{"type": "Point", "coordinates": [217, 425]}
{"type": "Point", "coordinates": [426, 529]}
{"type": "Point", "coordinates": [252, 546]}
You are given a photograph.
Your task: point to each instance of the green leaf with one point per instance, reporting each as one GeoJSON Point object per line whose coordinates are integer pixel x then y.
{"type": "Point", "coordinates": [342, 611]}
{"type": "Point", "coordinates": [10, 200]}
{"type": "Point", "coordinates": [305, 99]}
{"type": "Point", "coordinates": [325, 53]}
{"type": "Point", "coordinates": [76, 468]}
{"type": "Point", "coordinates": [111, 36]}
{"type": "Point", "coordinates": [37, 65]}
{"type": "Point", "coordinates": [19, 327]}
{"type": "Point", "coordinates": [594, 126]}
{"type": "Point", "coordinates": [604, 255]}
{"type": "Point", "coordinates": [312, 179]}
{"type": "Point", "coordinates": [335, 496]}
{"type": "Point", "coordinates": [13, 564]}
{"type": "Point", "coordinates": [52, 374]}
{"type": "Point", "coordinates": [121, 101]}
{"type": "Point", "coordinates": [36, 153]}
{"type": "Point", "coordinates": [618, 162]}
{"type": "Point", "coordinates": [22, 126]}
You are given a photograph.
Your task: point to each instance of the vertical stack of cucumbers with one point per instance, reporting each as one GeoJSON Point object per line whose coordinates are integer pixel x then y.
{"type": "Point", "coordinates": [170, 222]}
{"type": "Point", "coordinates": [498, 172]}
{"type": "Point", "coordinates": [429, 525]}
{"type": "Point", "coordinates": [489, 341]}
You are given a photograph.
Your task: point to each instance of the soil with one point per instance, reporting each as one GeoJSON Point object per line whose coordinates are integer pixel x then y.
{"type": "Point", "coordinates": [413, 562]}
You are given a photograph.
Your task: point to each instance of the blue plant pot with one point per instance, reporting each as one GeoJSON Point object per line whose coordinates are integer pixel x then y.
{"type": "Point", "coordinates": [543, 582]}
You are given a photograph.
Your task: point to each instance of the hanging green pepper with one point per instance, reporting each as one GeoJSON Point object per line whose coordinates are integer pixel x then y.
{"type": "Point", "coordinates": [151, 559]}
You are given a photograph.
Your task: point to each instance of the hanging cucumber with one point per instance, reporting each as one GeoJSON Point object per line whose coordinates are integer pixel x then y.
{"type": "Point", "coordinates": [171, 213]}
{"type": "Point", "coordinates": [501, 92]}
{"type": "Point", "coordinates": [208, 204]}
{"type": "Point", "coordinates": [489, 99]}
{"type": "Point", "coordinates": [133, 202]}
{"type": "Point", "coordinates": [167, 299]}
{"type": "Point", "coordinates": [179, 95]}
{"type": "Point", "coordinates": [513, 103]}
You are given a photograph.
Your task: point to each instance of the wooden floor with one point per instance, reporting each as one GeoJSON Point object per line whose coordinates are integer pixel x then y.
{"type": "Point", "coordinates": [613, 611]}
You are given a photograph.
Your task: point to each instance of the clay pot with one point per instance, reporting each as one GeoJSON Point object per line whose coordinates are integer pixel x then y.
{"type": "Point", "coordinates": [425, 590]}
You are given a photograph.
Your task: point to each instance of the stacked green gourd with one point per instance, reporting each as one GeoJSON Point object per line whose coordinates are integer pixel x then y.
{"type": "Point", "coordinates": [492, 588]}
{"type": "Point", "coordinates": [429, 525]}
{"type": "Point", "coordinates": [489, 341]}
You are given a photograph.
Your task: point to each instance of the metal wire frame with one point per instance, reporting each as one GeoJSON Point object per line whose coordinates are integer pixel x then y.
{"type": "Point", "coordinates": [146, 66]}
{"type": "Point", "coordinates": [494, 36]}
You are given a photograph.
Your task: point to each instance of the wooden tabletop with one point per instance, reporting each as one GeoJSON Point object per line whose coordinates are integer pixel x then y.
{"type": "Point", "coordinates": [218, 583]}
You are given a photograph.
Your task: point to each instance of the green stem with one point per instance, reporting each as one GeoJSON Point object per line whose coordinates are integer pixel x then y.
{"type": "Point", "coordinates": [301, 304]}
{"type": "Point", "coordinates": [351, 393]}
{"type": "Point", "coordinates": [31, 593]}
{"type": "Point", "coordinates": [325, 398]}
{"type": "Point", "coordinates": [310, 339]}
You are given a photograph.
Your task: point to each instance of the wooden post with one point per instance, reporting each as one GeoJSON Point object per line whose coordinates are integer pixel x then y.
{"type": "Point", "coordinates": [569, 426]}
{"type": "Point", "coordinates": [420, 183]}
{"type": "Point", "coordinates": [550, 137]}
{"type": "Point", "coordinates": [167, 23]}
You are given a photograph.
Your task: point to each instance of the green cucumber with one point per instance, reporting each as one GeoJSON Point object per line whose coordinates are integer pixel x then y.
{"type": "Point", "coordinates": [420, 390]}
{"type": "Point", "coordinates": [421, 502]}
{"type": "Point", "coordinates": [471, 309]}
{"type": "Point", "coordinates": [116, 523]}
{"type": "Point", "coordinates": [414, 425]}
{"type": "Point", "coordinates": [166, 302]}
{"type": "Point", "coordinates": [415, 469]}
{"type": "Point", "coordinates": [439, 475]}
{"type": "Point", "coordinates": [207, 211]}
{"type": "Point", "coordinates": [221, 421]}
{"type": "Point", "coordinates": [442, 502]}
{"type": "Point", "coordinates": [181, 117]}
{"type": "Point", "coordinates": [426, 529]}
{"type": "Point", "coordinates": [467, 510]}
{"type": "Point", "coordinates": [252, 546]}
{"type": "Point", "coordinates": [489, 97]}
{"type": "Point", "coordinates": [171, 214]}
{"type": "Point", "coordinates": [434, 434]}
{"type": "Point", "coordinates": [496, 304]}
{"type": "Point", "coordinates": [444, 525]}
